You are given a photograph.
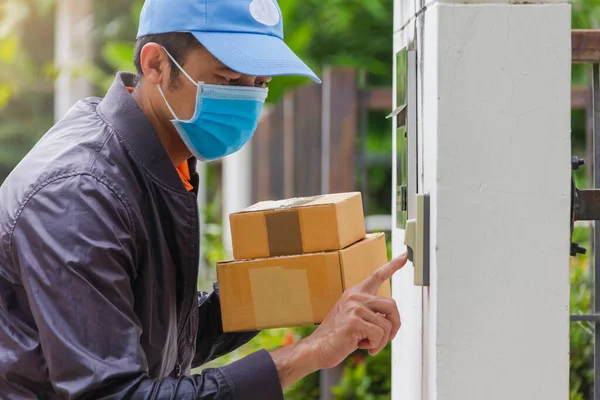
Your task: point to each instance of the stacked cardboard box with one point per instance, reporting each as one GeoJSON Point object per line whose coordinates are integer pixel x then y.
{"type": "Point", "coordinates": [294, 259]}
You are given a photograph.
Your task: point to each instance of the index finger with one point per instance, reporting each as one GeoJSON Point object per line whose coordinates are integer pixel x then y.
{"type": "Point", "coordinates": [374, 281]}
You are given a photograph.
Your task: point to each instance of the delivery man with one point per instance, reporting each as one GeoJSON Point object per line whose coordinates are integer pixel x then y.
{"type": "Point", "coordinates": [99, 230]}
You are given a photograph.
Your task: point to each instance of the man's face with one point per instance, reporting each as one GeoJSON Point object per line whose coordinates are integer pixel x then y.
{"type": "Point", "coordinates": [201, 66]}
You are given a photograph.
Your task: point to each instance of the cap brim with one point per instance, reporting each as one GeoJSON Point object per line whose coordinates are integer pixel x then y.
{"type": "Point", "coordinates": [254, 54]}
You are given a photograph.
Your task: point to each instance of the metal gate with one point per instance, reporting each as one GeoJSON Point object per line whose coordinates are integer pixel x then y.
{"type": "Point", "coordinates": [585, 204]}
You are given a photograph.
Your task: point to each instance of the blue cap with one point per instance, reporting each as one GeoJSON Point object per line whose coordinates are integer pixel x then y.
{"type": "Point", "coordinates": [245, 35]}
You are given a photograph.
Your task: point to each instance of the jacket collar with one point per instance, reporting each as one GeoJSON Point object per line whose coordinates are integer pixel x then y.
{"type": "Point", "coordinates": [120, 110]}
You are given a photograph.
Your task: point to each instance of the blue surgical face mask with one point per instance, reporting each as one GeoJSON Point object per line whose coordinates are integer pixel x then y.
{"type": "Point", "coordinates": [224, 120]}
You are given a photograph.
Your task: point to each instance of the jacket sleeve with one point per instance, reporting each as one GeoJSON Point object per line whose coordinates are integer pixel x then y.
{"type": "Point", "coordinates": [211, 341]}
{"type": "Point", "coordinates": [74, 243]}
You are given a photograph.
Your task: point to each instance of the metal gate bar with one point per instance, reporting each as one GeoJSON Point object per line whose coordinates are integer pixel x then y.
{"type": "Point", "coordinates": [596, 167]}
{"type": "Point", "coordinates": [585, 208]}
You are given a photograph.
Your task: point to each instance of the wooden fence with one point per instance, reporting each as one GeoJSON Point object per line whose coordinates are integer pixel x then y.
{"type": "Point", "coordinates": [311, 142]}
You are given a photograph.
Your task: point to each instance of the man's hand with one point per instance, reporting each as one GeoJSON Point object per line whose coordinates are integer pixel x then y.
{"type": "Point", "coordinates": [360, 319]}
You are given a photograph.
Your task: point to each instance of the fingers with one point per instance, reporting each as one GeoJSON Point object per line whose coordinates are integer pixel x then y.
{"type": "Point", "coordinates": [382, 305]}
{"type": "Point", "coordinates": [381, 322]}
{"type": "Point", "coordinates": [389, 309]}
{"type": "Point", "coordinates": [374, 281]}
{"type": "Point", "coordinates": [372, 333]}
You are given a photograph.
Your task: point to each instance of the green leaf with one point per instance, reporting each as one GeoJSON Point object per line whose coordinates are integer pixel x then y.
{"type": "Point", "coordinates": [375, 8]}
{"type": "Point", "coordinates": [136, 10]}
{"type": "Point", "coordinates": [49, 71]}
{"type": "Point", "coordinates": [5, 95]}
{"type": "Point", "coordinates": [299, 39]}
{"type": "Point", "coordinates": [119, 55]}
{"type": "Point", "coordinates": [44, 7]}
{"type": "Point", "coordinates": [8, 49]}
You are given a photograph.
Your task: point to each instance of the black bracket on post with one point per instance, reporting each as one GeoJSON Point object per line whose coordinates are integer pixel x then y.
{"type": "Point", "coordinates": [585, 205]}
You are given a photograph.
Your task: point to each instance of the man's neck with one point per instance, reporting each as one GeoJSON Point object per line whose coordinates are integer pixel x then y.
{"type": "Point", "coordinates": [165, 130]}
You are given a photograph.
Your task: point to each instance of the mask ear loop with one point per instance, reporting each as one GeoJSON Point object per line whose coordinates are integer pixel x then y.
{"type": "Point", "coordinates": [187, 76]}
{"type": "Point", "coordinates": [180, 67]}
{"type": "Point", "coordinates": [166, 102]}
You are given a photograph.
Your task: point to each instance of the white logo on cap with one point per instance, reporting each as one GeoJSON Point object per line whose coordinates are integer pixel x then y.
{"type": "Point", "coordinates": [265, 12]}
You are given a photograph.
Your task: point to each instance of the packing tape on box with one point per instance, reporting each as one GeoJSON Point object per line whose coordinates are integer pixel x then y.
{"type": "Point", "coordinates": [283, 226]}
{"type": "Point", "coordinates": [284, 233]}
{"type": "Point", "coordinates": [280, 295]}
{"type": "Point", "coordinates": [283, 204]}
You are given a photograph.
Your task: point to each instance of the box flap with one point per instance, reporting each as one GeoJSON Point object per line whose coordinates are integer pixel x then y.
{"type": "Point", "coordinates": [297, 202]}
{"type": "Point", "coordinates": [350, 220]}
{"type": "Point", "coordinates": [334, 198]}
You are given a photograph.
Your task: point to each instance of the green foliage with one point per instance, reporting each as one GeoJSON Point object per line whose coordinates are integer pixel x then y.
{"type": "Point", "coordinates": [581, 333]}
{"type": "Point", "coordinates": [366, 377]}
{"type": "Point", "coordinates": [211, 247]}
{"type": "Point", "coordinates": [379, 176]}
{"type": "Point", "coordinates": [118, 55]}
{"type": "Point", "coordinates": [26, 78]}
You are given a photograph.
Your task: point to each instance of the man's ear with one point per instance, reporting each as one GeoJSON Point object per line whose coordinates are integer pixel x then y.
{"type": "Point", "coordinates": [155, 63]}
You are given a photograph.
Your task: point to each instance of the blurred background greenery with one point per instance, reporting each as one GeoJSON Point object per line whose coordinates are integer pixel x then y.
{"type": "Point", "coordinates": [355, 33]}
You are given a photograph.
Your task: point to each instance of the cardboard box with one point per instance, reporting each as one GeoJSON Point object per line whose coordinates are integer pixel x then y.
{"type": "Point", "coordinates": [294, 290]}
{"type": "Point", "coordinates": [297, 226]}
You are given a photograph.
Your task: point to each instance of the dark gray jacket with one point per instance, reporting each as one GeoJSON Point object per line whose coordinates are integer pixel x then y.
{"type": "Point", "coordinates": [99, 252]}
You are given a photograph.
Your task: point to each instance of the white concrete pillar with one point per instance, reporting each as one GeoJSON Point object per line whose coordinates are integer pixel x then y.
{"type": "Point", "coordinates": [237, 187]}
{"type": "Point", "coordinates": [494, 155]}
{"type": "Point", "coordinates": [73, 51]}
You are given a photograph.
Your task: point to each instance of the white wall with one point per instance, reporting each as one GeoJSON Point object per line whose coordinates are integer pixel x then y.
{"type": "Point", "coordinates": [503, 176]}
{"type": "Point", "coordinates": [495, 135]}
{"type": "Point", "coordinates": [237, 187]}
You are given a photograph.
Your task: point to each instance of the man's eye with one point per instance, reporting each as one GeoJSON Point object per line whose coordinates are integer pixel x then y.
{"type": "Point", "coordinates": [262, 84]}
{"type": "Point", "coordinates": [233, 81]}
